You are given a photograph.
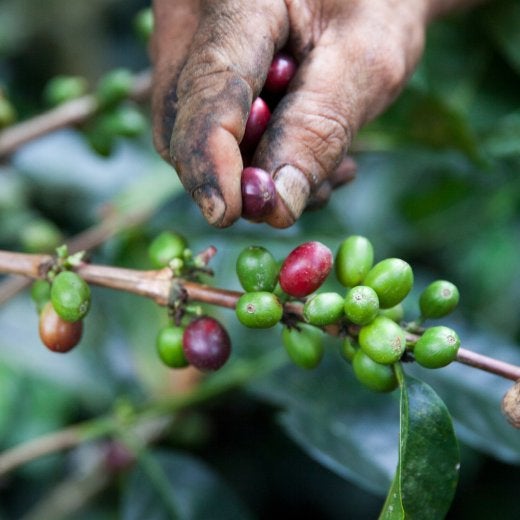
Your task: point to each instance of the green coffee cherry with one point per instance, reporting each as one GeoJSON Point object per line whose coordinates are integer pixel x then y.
{"type": "Point", "coordinates": [383, 340]}
{"type": "Point", "coordinates": [437, 347]}
{"type": "Point", "coordinates": [169, 347]}
{"type": "Point", "coordinates": [70, 296]}
{"type": "Point", "coordinates": [40, 293]}
{"type": "Point", "coordinates": [392, 279]}
{"type": "Point", "coordinates": [438, 299]}
{"type": "Point", "coordinates": [259, 310]}
{"type": "Point", "coordinates": [124, 121]}
{"type": "Point", "coordinates": [144, 23]}
{"type": "Point", "coordinates": [165, 247]}
{"type": "Point", "coordinates": [361, 305]}
{"type": "Point", "coordinates": [353, 261]}
{"type": "Point", "coordinates": [395, 313]}
{"type": "Point", "coordinates": [304, 345]}
{"type": "Point", "coordinates": [40, 236]}
{"type": "Point", "coordinates": [7, 112]}
{"type": "Point", "coordinates": [347, 349]}
{"type": "Point", "coordinates": [61, 89]}
{"type": "Point", "coordinates": [323, 308]}
{"type": "Point", "coordinates": [377, 377]}
{"type": "Point", "coordinates": [115, 86]}
{"type": "Point", "coordinates": [257, 270]}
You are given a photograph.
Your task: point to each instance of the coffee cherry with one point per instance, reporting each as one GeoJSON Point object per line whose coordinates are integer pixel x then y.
{"type": "Point", "coordinates": [124, 121]}
{"type": "Point", "coordinates": [206, 344]}
{"type": "Point", "coordinates": [383, 340]}
{"type": "Point", "coordinates": [392, 279]}
{"type": "Point", "coordinates": [438, 299]}
{"type": "Point", "coordinates": [347, 349]}
{"type": "Point", "coordinates": [354, 260]}
{"type": "Point", "coordinates": [40, 236]}
{"type": "Point", "coordinates": [70, 296]}
{"type": "Point", "coordinates": [259, 310]}
{"type": "Point", "coordinates": [61, 89]}
{"type": "Point", "coordinates": [165, 247]}
{"type": "Point", "coordinates": [257, 270]}
{"type": "Point", "coordinates": [323, 308]}
{"type": "Point", "coordinates": [40, 293]}
{"type": "Point", "coordinates": [305, 269]}
{"type": "Point", "coordinates": [304, 345]}
{"type": "Point", "coordinates": [258, 193]}
{"type": "Point", "coordinates": [377, 377]}
{"type": "Point", "coordinates": [282, 70]}
{"type": "Point", "coordinates": [256, 124]}
{"type": "Point", "coordinates": [169, 347]}
{"type": "Point", "coordinates": [7, 112]}
{"type": "Point", "coordinates": [437, 347]}
{"type": "Point", "coordinates": [144, 23]}
{"type": "Point", "coordinates": [57, 334]}
{"type": "Point", "coordinates": [361, 305]}
{"type": "Point", "coordinates": [395, 313]}
{"type": "Point", "coordinates": [115, 86]}
{"type": "Point", "coordinates": [511, 405]}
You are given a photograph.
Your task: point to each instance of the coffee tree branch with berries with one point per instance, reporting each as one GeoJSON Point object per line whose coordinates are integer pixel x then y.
{"type": "Point", "coordinates": [342, 347]}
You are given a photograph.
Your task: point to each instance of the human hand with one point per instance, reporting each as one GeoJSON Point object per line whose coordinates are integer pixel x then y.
{"type": "Point", "coordinates": [211, 59]}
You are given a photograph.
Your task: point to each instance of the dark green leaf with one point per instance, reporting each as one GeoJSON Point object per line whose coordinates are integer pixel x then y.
{"type": "Point", "coordinates": [196, 490]}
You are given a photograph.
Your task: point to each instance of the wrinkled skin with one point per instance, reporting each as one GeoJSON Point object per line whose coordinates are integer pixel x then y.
{"type": "Point", "coordinates": [211, 58]}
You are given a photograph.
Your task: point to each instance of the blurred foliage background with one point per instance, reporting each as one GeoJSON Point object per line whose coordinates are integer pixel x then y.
{"type": "Point", "coordinates": [438, 185]}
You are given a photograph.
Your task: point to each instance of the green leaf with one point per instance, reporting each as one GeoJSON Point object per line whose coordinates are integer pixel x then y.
{"type": "Point", "coordinates": [197, 491]}
{"type": "Point", "coordinates": [428, 470]}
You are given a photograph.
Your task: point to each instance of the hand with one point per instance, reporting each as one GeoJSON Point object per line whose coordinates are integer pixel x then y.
{"type": "Point", "coordinates": [211, 58]}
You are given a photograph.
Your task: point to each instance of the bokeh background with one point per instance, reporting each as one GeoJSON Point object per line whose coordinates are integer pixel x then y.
{"type": "Point", "coordinates": [438, 184]}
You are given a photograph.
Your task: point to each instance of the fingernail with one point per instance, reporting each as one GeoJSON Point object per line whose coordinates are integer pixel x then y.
{"type": "Point", "coordinates": [210, 203]}
{"type": "Point", "coordinates": [293, 188]}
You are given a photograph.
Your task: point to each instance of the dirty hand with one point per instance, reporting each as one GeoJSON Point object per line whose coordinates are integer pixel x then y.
{"type": "Point", "coordinates": [211, 58]}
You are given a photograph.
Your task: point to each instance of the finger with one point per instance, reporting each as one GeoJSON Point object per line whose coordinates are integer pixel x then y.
{"type": "Point", "coordinates": [347, 79]}
{"type": "Point", "coordinates": [174, 27]}
{"type": "Point", "coordinates": [228, 61]}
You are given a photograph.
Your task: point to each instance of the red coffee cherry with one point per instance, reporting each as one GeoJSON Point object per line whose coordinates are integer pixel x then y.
{"type": "Point", "coordinates": [305, 269]}
{"type": "Point", "coordinates": [57, 334]}
{"type": "Point", "coordinates": [258, 193]}
{"type": "Point", "coordinates": [206, 344]}
{"type": "Point", "coordinates": [282, 70]}
{"type": "Point", "coordinates": [256, 124]}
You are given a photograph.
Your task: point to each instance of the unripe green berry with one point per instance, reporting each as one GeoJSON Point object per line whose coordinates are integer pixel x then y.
{"type": "Point", "coordinates": [40, 293]}
{"type": "Point", "coordinates": [392, 279]}
{"type": "Point", "coordinates": [438, 299]}
{"type": "Point", "coordinates": [259, 310]}
{"type": "Point", "coordinates": [383, 340]}
{"type": "Point", "coordinates": [353, 261]}
{"type": "Point", "coordinates": [361, 305]}
{"type": "Point", "coordinates": [257, 269]}
{"type": "Point", "coordinates": [323, 308]}
{"type": "Point", "coordinates": [169, 347]}
{"type": "Point", "coordinates": [395, 313]}
{"type": "Point", "coordinates": [70, 296]}
{"type": "Point", "coordinates": [377, 377]}
{"type": "Point", "coordinates": [40, 236]}
{"type": "Point", "coordinates": [115, 86]}
{"type": "Point", "coordinates": [144, 23]}
{"type": "Point", "coordinates": [166, 247]}
{"type": "Point", "coordinates": [7, 112]}
{"type": "Point", "coordinates": [437, 347]}
{"type": "Point", "coordinates": [124, 121]}
{"type": "Point", "coordinates": [61, 89]}
{"type": "Point", "coordinates": [347, 349]}
{"type": "Point", "coordinates": [304, 345]}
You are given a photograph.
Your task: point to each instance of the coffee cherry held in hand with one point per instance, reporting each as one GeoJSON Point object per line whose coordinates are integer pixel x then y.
{"type": "Point", "coordinates": [258, 193]}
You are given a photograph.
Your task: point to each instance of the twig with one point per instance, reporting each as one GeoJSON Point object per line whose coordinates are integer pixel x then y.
{"type": "Point", "coordinates": [68, 114]}
{"type": "Point", "coordinates": [157, 286]}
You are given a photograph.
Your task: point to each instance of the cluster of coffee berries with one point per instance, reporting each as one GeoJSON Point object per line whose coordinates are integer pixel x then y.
{"type": "Point", "coordinates": [258, 190]}
{"type": "Point", "coordinates": [62, 301]}
{"type": "Point", "coordinates": [369, 314]}
{"type": "Point", "coordinates": [191, 339]}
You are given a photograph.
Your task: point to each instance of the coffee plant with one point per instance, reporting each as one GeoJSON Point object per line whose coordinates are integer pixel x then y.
{"type": "Point", "coordinates": [362, 364]}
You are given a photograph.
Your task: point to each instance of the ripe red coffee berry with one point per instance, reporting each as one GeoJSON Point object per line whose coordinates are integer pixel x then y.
{"type": "Point", "coordinates": [305, 269]}
{"type": "Point", "coordinates": [258, 193]}
{"type": "Point", "coordinates": [206, 344]}
{"type": "Point", "coordinates": [256, 124]}
{"type": "Point", "coordinates": [57, 334]}
{"type": "Point", "coordinates": [282, 70]}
